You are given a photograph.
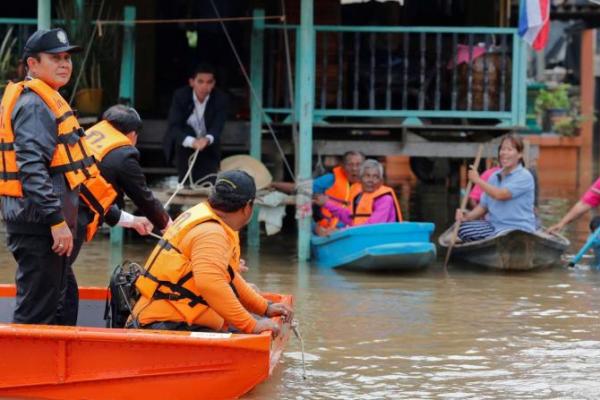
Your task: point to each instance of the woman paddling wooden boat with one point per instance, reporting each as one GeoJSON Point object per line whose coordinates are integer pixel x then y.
{"type": "Point", "coordinates": [510, 250]}
{"type": "Point", "coordinates": [508, 198]}
{"type": "Point", "coordinates": [500, 232]}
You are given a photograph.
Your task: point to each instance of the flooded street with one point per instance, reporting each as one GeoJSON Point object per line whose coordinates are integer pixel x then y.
{"type": "Point", "coordinates": [460, 334]}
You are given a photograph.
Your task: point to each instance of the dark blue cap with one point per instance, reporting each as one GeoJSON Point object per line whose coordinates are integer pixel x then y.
{"type": "Point", "coordinates": [236, 184]}
{"type": "Point", "coordinates": [233, 190]}
{"type": "Point", "coordinates": [49, 41]}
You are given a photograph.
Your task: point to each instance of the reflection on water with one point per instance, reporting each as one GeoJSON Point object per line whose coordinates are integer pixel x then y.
{"type": "Point", "coordinates": [460, 335]}
{"type": "Point", "coordinates": [467, 335]}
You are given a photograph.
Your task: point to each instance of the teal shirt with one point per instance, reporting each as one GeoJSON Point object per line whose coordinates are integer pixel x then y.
{"type": "Point", "coordinates": [518, 212]}
{"type": "Point", "coordinates": [322, 183]}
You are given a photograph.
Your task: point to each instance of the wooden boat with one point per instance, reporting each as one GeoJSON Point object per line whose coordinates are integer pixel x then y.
{"type": "Point", "coordinates": [90, 362]}
{"type": "Point", "coordinates": [402, 246]}
{"type": "Point", "coordinates": [512, 250]}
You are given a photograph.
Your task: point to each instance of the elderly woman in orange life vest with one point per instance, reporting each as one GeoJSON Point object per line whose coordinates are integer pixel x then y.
{"type": "Point", "coordinates": [375, 203]}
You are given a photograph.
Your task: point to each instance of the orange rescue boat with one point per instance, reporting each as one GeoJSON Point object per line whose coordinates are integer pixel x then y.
{"type": "Point", "coordinates": [91, 362]}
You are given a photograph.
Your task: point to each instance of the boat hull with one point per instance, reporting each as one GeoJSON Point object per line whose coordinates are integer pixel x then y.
{"type": "Point", "coordinates": [402, 246]}
{"type": "Point", "coordinates": [55, 362]}
{"type": "Point", "coordinates": [512, 250]}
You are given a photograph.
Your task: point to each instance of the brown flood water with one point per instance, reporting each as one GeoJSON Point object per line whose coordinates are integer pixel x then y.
{"type": "Point", "coordinates": [461, 335]}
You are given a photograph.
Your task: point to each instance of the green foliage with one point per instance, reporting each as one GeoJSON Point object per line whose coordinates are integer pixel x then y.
{"type": "Point", "coordinates": [558, 99]}
{"type": "Point", "coordinates": [552, 99]}
{"type": "Point", "coordinates": [79, 23]}
{"type": "Point", "coordinates": [8, 59]}
{"type": "Point", "coordinates": [569, 126]}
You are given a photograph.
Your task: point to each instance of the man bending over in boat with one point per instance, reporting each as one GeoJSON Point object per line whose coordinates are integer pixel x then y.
{"type": "Point", "coordinates": [340, 185]}
{"type": "Point", "coordinates": [376, 203]}
{"type": "Point", "coordinates": [508, 199]}
{"type": "Point", "coordinates": [112, 143]}
{"type": "Point", "coordinates": [201, 252]}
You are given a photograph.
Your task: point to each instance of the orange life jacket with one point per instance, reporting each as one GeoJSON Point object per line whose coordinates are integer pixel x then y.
{"type": "Point", "coordinates": [363, 207]}
{"type": "Point", "coordinates": [71, 156]}
{"type": "Point", "coordinates": [341, 192]}
{"type": "Point", "coordinates": [169, 277]}
{"type": "Point", "coordinates": [97, 193]}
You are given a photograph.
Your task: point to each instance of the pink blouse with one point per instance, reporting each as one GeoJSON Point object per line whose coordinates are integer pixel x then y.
{"type": "Point", "coordinates": [592, 196]}
{"type": "Point", "coordinates": [383, 211]}
{"type": "Point", "coordinates": [477, 192]}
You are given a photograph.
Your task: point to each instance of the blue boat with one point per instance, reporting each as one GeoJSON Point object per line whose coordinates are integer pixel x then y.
{"type": "Point", "coordinates": [400, 246]}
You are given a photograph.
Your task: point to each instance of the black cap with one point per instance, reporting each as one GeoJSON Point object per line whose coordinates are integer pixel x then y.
{"type": "Point", "coordinates": [49, 41]}
{"type": "Point", "coordinates": [123, 118]}
{"type": "Point", "coordinates": [232, 190]}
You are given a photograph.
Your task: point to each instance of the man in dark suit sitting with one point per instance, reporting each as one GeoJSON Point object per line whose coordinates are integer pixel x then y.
{"type": "Point", "coordinates": [196, 119]}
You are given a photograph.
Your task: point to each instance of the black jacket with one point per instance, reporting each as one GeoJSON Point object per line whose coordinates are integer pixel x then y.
{"type": "Point", "coordinates": [182, 107]}
{"type": "Point", "coordinates": [121, 168]}
{"type": "Point", "coordinates": [47, 198]}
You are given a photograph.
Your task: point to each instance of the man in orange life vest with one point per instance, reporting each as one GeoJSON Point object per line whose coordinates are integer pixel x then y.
{"type": "Point", "coordinates": [112, 141]}
{"type": "Point", "coordinates": [201, 252]}
{"type": "Point", "coordinates": [44, 162]}
{"type": "Point", "coordinates": [375, 204]}
{"type": "Point", "coordinates": [340, 186]}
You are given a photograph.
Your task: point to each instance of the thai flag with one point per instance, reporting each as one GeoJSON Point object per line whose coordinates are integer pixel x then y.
{"type": "Point", "coordinates": [534, 22]}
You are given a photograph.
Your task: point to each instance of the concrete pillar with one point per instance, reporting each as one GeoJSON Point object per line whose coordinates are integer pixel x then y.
{"type": "Point", "coordinates": [256, 79]}
{"type": "Point", "coordinates": [43, 14]}
{"type": "Point", "coordinates": [587, 84]}
{"type": "Point", "coordinates": [126, 94]}
{"type": "Point", "coordinates": [127, 80]}
{"type": "Point", "coordinates": [306, 96]}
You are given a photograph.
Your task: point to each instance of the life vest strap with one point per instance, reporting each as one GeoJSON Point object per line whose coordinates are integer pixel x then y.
{"type": "Point", "coordinates": [9, 176]}
{"type": "Point", "coordinates": [338, 200]}
{"type": "Point", "coordinates": [7, 146]}
{"type": "Point", "coordinates": [166, 245]}
{"type": "Point", "coordinates": [93, 202]}
{"type": "Point", "coordinates": [73, 166]}
{"type": "Point", "coordinates": [64, 117]}
{"type": "Point", "coordinates": [6, 176]}
{"type": "Point", "coordinates": [85, 154]}
{"type": "Point", "coordinates": [185, 278]}
{"type": "Point", "coordinates": [72, 137]}
{"type": "Point", "coordinates": [361, 215]}
{"type": "Point", "coordinates": [231, 276]}
{"type": "Point", "coordinates": [178, 292]}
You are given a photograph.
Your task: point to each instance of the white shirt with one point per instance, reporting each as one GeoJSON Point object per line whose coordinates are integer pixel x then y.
{"type": "Point", "coordinates": [196, 121]}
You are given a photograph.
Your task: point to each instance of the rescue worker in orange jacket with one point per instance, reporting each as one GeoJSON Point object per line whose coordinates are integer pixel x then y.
{"type": "Point", "coordinates": [193, 280]}
{"type": "Point", "coordinates": [112, 141]}
{"type": "Point", "coordinates": [375, 204]}
{"type": "Point", "coordinates": [44, 162]}
{"type": "Point", "coordinates": [340, 185]}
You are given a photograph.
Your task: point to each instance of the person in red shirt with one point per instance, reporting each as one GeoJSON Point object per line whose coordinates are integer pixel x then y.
{"type": "Point", "coordinates": [590, 199]}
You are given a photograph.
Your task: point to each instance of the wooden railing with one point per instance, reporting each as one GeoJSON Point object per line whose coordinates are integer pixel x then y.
{"type": "Point", "coordinates": [418, 74]}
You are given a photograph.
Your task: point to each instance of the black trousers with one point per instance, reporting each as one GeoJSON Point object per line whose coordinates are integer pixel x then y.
{"type": "Point", "coordinates": [173, 326]}
{"type": "Point", "coordinates": [41, 280]}
{"type": "Point", "coordinates": [69, 307]}
{"type": "Point", "coordinates": [206, 163]}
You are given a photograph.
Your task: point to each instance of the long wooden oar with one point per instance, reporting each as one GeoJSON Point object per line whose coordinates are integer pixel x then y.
{"type": "Point", "coordinates": [463, 206]}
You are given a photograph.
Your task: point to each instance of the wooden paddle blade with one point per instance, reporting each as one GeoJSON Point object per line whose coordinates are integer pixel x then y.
{"type": "Point", "coordinates": [463, 206]}
{"type": "Point", "coordinates": [452, 242]}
